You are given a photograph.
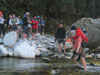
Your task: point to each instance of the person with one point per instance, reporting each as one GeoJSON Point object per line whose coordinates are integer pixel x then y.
{"type": "Point", "coordinates": [39, 24]}
{"type": "Point", "coordinates": [2, 27]}
{"type": "Point", "coordinates": [20, 27]}
{"type": "Point", "coordinates": [78, 36]}
{"type": "Point", "coordinates": [26, 25]}
{"type": "Point", "coordinates": [14, 23]}
{"type": "Point", "coordinates": [60, 37]}
{"type": "Point", "coordinates": [42, 22]}
{"type": "Point", "coordinates": [34, 27]}
{"type": "Point", "coordinates": [8, 25]}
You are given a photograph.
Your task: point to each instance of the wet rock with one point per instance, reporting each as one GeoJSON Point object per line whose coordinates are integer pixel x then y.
{"type": "Point", "coordinates": [68, 55]}
{"type": "Point", "coordinates": [56, 72]}
{"type": "Point", "coordinates": [88, 56]}
{"type": "Point", "coordinates": [91, 64]}
{"type": "Point", "coordinates": [47, 60]}
{"type": "Point", "coordinates": [98, 56]}
{"type": "Point", "coordinates": [76, 68]}
{"type": "Point", "coordinates": [53, 72]}
{"type": "Point", "coordinates": [61, 56]}
{"type": "Point", "coordinates": [46, 53]}
{"type": "Point", "coordinates": [95, 56]}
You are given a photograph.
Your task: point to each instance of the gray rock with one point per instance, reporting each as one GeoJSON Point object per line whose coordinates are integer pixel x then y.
{"type": "Point", "coordinates": [46, 53]}
{"type": "Point", "coordinates": [93, 28]}
{"type": "Point", "coordinates": [47, 60]}
{"type": "Point", "coordinates": [10, 39]}
{"type": "Point", "coordinates": [3, 51]}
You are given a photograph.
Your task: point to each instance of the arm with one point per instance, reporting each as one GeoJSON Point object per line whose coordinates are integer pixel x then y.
{"type": "Point", "coordinates": [79, 43]}
{"type": "Point", "coordinates": [79, 46]}
{"type": "Point", "coordinates": [56, 34]}
{"type": "Point", "coordinates": [17, 22]}
{"type": "Point", "coordinates": [10, 22]}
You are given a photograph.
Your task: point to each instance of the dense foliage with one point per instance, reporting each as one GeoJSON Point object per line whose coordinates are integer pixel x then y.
{"type": "Point", "coordinates": [54, 11]}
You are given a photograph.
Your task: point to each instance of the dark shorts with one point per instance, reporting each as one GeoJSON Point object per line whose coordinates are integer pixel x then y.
{"type": "Point", "coordinates": [25, 29]}
{"type": "Point", "coordinates": [78, 55]}
{"type": "Point", "coordinates": [14, 28]}
{"type": "Point", "coordinates": [34, 30]}
{"type": "Point", "coordinates": [61, 41]}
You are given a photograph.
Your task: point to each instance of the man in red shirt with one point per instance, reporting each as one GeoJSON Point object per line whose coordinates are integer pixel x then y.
{"type": "Point", "coordinates": [34, 27]}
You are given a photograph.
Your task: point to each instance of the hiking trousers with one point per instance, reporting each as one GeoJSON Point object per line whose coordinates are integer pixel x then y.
{"type": "Point", "coordinates": [2, 29]}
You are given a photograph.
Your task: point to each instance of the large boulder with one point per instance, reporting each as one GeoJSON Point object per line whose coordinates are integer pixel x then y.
{"type": "Point", "coordinates": [24, 49]}
{"type": "Point", "coordinates": [93, 28]}
{"type": "Point", "coordinates": [10, 39]}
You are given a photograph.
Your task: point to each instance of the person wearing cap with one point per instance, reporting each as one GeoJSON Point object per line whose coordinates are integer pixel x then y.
{"type": "Point", "coordinates": [26, 25]}
{"type": "Point", "coordinates": [77, 38]}
{"type": "Point", "coordinates": [60, 37]}
{"type": "Point", "coordinates": [2, 27]}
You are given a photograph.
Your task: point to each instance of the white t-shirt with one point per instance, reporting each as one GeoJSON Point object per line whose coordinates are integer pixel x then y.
{"type": "Point", "coordinates": [1, 20]}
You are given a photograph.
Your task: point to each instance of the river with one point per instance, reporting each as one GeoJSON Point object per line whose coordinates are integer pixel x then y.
{"type": "Point", "coordinates": [39, 66]}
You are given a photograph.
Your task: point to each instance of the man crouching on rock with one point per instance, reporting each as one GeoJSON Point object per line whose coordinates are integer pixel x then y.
{"type": "Point", "coordinates": [60, 37]}
{"type": "Point", "coordinates": [78, 37]}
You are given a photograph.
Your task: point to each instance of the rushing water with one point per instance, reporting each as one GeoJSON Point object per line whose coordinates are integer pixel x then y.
{"type": "Point", "coordinates": [15, 66]}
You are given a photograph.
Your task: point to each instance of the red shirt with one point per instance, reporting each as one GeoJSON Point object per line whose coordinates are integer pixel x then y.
{"type": "Point", "coordinates": [35, 24]}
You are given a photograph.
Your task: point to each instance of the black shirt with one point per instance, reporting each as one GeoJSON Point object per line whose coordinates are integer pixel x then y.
{"type": "Point", "coordinates": [60, 34]}
{"type": "Point", "coordinates": [25, 23]}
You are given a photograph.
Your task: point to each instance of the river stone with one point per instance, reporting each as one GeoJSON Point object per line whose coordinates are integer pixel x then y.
{"type": "Point", "coordinates": [93, 28]}
{"type": "Point", "coordinates": [3, 51]}
{"type": "Point", "coordinates": [24, 49]}
{"type": "Point", "coordinates": [10, 39]}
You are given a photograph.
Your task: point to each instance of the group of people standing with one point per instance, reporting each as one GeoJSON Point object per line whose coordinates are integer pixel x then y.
{"type": "Point", "coordinates": [26, 25]}
{"type": "Point", "coordinates": [78, 38]}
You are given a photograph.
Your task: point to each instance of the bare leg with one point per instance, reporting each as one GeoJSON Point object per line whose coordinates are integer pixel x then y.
{"type": "Point", "coordinates": [75, 59]}
{"type": "Point", "coordinates": [84, 62]}
{"type": "Point", "coordinates": [24, 36]}
{"type": "Point", "coordinates": [34, 35]}
{"type": "Point", "coordinates": [17, 34]}
{"type": "Point", "coordinates": [59, 48]}
{"type": "Point", "coordinates": [64, 49]}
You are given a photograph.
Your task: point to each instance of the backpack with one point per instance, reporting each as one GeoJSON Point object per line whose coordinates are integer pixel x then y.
{"type": "Point", "coordinates": [21, 22]}
{"type": "Point", "coordinates": [84, 44]}
{"type": "Point", "coordinates": [84, 31]}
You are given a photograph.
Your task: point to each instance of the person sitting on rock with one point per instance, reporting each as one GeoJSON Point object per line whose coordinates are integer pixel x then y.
{"type": "Point", "coordinates": [60, 37]}
{"type": "Point", "coordinates": [78, 36]}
